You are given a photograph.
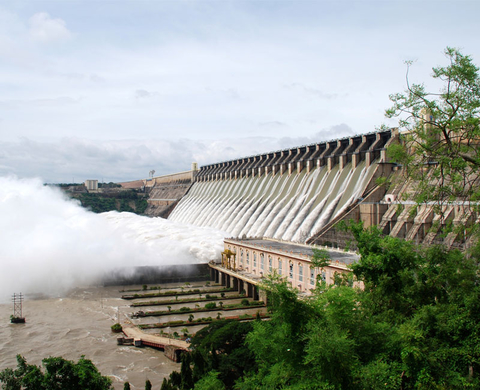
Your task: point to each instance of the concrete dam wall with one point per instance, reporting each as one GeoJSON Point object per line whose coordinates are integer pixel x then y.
{"type": "Point", "coordinates": [290, 194]}
{"type": "Point", "coordinates": [164, 192]}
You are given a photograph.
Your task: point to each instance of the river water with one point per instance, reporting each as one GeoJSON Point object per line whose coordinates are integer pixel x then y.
{"type": "Point", "coordinates": [79, 324]}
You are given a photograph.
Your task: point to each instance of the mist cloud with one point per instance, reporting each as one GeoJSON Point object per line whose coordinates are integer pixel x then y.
{"type": "Point", "coordinates": [50, 244]}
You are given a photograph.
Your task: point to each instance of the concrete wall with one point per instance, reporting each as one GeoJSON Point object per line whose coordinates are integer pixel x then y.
{"type": "Point", "coordinates": [164, 196]}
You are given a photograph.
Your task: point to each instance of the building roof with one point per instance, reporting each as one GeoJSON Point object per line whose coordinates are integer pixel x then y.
{"type": "Point", "coordinates": [296, 249]}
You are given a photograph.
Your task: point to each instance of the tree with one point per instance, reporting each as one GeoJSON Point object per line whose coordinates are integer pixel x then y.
{"type": "Point", "coordinates": [58, 374]}
{"type": "Point", "coordinates": [430, 300]}
{"type": "Point", "coordinates": [279, 344]}
{"type": "Point", "coordinates": [210, 382]}
{"type": "Point", "coordinates": [218, 358]}
{"type": "Point", "coordinates": [415, 325]}
{"type": "Point", "coordinates": [126, 386]}
{"type": "Point", "coordinates": [440, 151]}
{"type": "Point", "coordinates": [220, 347]}
{"type": "Point", "coordinates": [148, 385]}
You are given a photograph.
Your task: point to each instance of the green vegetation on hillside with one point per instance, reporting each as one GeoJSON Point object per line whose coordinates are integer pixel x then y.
{"type": "Point", "coordinates": [128, 200]}
{"type": "Point", "coordinates": [111, 197]}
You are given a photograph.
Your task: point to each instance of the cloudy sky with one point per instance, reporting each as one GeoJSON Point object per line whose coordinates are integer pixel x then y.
{"type": "Point", "coordinates": [109, 90]}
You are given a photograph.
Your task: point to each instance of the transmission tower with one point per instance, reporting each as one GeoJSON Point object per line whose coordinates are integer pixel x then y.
{"type": "Point", "coordinates": [17, 308]}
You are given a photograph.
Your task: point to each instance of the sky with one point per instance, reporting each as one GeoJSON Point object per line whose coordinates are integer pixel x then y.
{"type": "Point", "coordinates": [111, 89]}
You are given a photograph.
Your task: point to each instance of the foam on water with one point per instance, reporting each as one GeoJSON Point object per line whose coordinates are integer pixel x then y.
{"type": "Point", "coordinates": [49, 243]}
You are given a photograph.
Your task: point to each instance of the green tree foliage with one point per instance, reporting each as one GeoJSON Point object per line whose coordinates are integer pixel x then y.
{"type": "Point", "coordinates": [119, 201]}
{"type": "Point", "coordinates": [221, 347]}
{"type": "Point", "coordinates": [430, 298]}
{"type": "Point", "coordinates": [219, 357]}
{"type": "Point", "coordinates": [58, 374]}
{"type": "Point", "coordinates": [210, 382]}
{"type": "Point", "coordinates": [415, 325]}
{"type": "Point", "coordinates": [443, 132]}
{"type": "Point", "coordinates": [279, 344]}
{"type": "Point", "coordinates": [321, 258]}
{"type": "Point", "coordinates": [148, 385]}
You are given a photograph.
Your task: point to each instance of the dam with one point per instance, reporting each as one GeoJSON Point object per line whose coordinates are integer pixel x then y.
{"type": "Point", "coordinates": [275, 207]}
{"type": "Point", "coordinates": [299, 195]}
{"type": "Point", "coordinates": [288, 195]}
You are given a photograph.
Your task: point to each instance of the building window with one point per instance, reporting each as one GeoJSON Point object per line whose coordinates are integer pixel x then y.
{"type": "Point", "coordinates": [291, 271]}
{"type": "Point", "coordinates": [262, 261]}
{"type": "Point", "coordinates": [279, 266]}
{"type": "Point", "coordinates": [254, 259]}
{"type": "Point", "coordinates": [324, 276]}
{"type": "Point", "coordinates": [312, 276]}
{"type": "Point", "coordinates": [241, 256]}
{"type": "Point", "coordinates": [270, 264]}
{"type": "Point", "coordinates": [248, 258]}
{"type": "Point", "coordinates": [300, 272]}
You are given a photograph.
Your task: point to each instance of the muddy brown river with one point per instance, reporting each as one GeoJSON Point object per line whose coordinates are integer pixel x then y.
{"type": "Point", "coordinates": [79, 324]}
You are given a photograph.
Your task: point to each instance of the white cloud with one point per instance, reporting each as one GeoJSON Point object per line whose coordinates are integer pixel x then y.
{"type": "Point", "coordinates": [44, 102]}
{"type": "Point", "coordinates": [213, 70]}
{"type": "Point", "coordinates": [45, 29]}
{"type": "Point", "coordinates": [123, 160]}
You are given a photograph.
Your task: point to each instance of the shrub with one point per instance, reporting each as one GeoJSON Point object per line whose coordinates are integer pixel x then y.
{"type": "Point", "coordinates": [116, 328]}
{"type": "Point", "coordinates": [211, 305]}
{"type": "Point", "coordinates": [176, 322]}
{"type": "Point", "coordinates": [245, 302]}
{"type": "Point", "coordinates": [184, 308]}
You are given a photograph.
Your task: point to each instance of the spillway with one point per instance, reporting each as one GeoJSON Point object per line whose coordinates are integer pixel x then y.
{"type": "Point", "coordinates": [288, 195]}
